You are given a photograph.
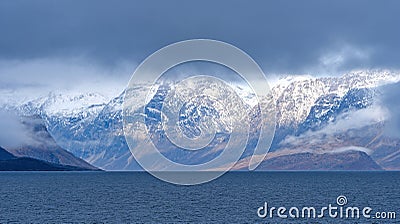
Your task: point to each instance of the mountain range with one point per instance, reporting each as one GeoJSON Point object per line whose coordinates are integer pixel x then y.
{"type": "Point", "coordinates": [317, 119]}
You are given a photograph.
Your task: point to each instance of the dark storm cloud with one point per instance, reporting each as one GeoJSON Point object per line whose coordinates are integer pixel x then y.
{"type": "Point", "coordinates": [283, 36]}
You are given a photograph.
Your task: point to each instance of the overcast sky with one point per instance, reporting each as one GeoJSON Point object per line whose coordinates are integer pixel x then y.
{"type": "Point", "coordinates": [67, 44]}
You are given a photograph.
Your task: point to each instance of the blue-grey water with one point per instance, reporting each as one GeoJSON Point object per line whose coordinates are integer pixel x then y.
{"type": "Point", "coordinates": [137, 197]}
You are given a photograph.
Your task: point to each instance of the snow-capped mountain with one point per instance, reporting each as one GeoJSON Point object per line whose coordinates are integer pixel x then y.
{"type": "Point", "coordinates": [296, 95]}
{"type": "Point", "coordinates": [66, 115]}
{"type": "Point", "coordinates": [92, 129]}
{"type": "Point", "coordinates": [327, 108]}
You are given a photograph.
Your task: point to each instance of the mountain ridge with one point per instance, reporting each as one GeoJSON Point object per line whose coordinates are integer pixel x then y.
{"type": "Point", "coordinates": [305, 104]}
{"type": "Point", "coordinates": [10, 162]}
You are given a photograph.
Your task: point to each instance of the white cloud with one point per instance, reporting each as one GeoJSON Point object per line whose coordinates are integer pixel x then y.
{"type": "Point", "coordinates": [13, 133]}
{"type": "Point", "coordinates": [352, 120]}
{"type": "Point", "coordinates": [351, 148]}
{"type": "Point", "coordinates": [33, 78]}
{"type": "Point", "coordinates": [357, 119]}
{"type": "Point", "coordinates": [339, 57]}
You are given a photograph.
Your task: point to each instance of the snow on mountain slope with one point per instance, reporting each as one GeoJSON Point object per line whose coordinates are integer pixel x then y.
{"type": "Point", "coordinates": [329, 107]}
{"type": "Point", "coordinates": [62, 105]}
{"type": "Point", "coordinates": [296, 95]}
{"type": "Point", "coordinates": [91, 128]}
{"type": "Point", "coordinates": [66, 115]}
{"type": "Point", "coordinates": [70, 105]}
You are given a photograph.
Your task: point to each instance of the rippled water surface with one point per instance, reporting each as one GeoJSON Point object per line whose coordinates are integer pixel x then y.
{"type": "Point", "coordinates": [137, 197]}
